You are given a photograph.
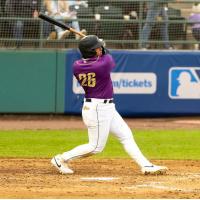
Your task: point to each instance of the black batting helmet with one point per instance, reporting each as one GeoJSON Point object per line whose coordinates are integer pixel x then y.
{"type": "Point", "coordinates": [88, 44]}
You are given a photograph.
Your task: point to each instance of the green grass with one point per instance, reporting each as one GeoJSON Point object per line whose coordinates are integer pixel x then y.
{"type": "Point", "coordinates": [170, 144]}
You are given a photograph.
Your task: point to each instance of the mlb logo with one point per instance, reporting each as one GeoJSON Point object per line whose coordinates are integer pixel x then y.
{"type": "Point", "coordinates": [184, 83]}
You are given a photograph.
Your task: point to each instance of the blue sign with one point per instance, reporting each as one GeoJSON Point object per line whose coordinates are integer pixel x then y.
{"type": "Point", "coordinates": [145, 83]}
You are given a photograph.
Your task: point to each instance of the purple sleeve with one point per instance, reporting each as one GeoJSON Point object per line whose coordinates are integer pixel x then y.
{"type": "Point", "coordinates": [110, 61]}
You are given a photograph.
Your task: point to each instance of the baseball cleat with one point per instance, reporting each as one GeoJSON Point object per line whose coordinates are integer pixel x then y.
{"type": "Point", "coordinates": [60, 165]}
{"type": "Point", "coordinates": [154, 170]}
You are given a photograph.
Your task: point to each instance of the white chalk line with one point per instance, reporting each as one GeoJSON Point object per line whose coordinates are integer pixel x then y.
{"type": "Point", "coordinates": [157, 185]}
{"type": "Point", "coordinates": [189, 176]}
{"type": "Point", "coordinates": [152, 185]}
{"type": "Point", "coordinates": [99, 178]}
{"type": "Point", "coordinates": [162, 186]}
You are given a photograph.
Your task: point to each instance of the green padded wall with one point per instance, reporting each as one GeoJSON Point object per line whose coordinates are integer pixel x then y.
{"type": "Point", "coordinates": [28, 82]}
{"type": "Point", "coordinates": [60, 82]}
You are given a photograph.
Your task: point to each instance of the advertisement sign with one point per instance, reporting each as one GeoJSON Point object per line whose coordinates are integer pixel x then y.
{"type": "Point", "coordinates": [184, 83]}
{"type": "Point", "coordinates": [145, 83]}
{"type": "Point", "coordinates": [127, 83]}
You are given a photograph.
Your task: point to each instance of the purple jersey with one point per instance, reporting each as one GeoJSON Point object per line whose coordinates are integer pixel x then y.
{"type": "Point", "coordinates": [93, 74]}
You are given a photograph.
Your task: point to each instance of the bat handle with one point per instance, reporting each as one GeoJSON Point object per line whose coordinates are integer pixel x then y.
{"type": "Point", "coordinates": [77, 32]}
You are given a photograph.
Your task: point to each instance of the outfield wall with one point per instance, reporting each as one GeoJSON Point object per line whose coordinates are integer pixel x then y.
{"type": "Point", "coordinates": [145, 82]}
{"type": "Point", "coordinates": [32, 81]}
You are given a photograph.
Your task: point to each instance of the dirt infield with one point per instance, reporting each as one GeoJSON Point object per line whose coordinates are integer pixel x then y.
{"type": "Point", "coordinates": [36, 178]}
{"type": "Point", "coordinates": [29, 178]}
{"type": "Point", "coordinates": [60, 122]}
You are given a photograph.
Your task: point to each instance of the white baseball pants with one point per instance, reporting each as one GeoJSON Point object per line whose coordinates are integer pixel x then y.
{"type": "Point", "coordinates": [101, 119]}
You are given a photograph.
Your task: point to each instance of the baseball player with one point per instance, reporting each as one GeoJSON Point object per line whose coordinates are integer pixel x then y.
{"type": "Point", "coordinates": [98, 111]}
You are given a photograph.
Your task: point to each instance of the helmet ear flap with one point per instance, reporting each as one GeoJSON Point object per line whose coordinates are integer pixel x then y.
{"type": "Point", "coordinates": [88, 53]}
{"type": "Point", "coordinates": [88, 44]}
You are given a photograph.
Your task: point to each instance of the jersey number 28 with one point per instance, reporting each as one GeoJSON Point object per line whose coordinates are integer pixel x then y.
{"type": "Point", "coordinates": [88, 80]}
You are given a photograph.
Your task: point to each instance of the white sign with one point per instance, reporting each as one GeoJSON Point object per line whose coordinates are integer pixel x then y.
{"type": "Point", "coordinates": [134, 83]}
{"type": "Point", "coordinates": [127, 83]}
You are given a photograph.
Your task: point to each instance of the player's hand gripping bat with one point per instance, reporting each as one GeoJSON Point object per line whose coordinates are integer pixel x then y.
{"type": "Point", "coordinates": [60, 24]}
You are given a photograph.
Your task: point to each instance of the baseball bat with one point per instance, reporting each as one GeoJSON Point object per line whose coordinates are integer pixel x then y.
{"type": "Point", "coordinates": [60, 24]}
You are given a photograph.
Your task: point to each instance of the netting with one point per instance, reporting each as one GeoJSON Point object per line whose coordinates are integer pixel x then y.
{"type": "Point", "coordinates": [125, 24]}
